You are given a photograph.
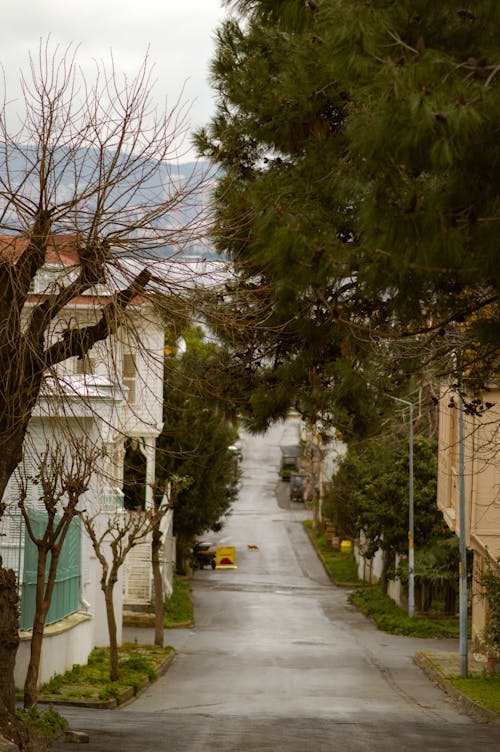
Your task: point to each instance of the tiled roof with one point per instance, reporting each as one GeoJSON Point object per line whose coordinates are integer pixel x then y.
{"type": "Point", "coordinates": [61, 249]}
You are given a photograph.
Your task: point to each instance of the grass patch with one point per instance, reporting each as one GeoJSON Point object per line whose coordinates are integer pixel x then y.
{"type": "Point", "coordinates": [179, 607]}
{"type": "Point", "coordinates": [390, 618]}
{"type": "Point", "coordinates": [43, 725]}
{"type": "Point", "coordinates": [483, 689]}
{"type": "Point", "coordinates": [341, 566]}
{"type": "Point", "coordinates": [138, 664]}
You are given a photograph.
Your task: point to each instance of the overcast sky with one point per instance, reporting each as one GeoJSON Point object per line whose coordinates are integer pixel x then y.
{"type": "Point", "coordinates": [179, 33]}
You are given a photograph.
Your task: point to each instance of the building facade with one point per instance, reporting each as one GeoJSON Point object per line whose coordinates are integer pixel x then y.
{"type": "Point", "coordinates": [481, 475]}
{"type": "Point", "coordinates": [111, 399]}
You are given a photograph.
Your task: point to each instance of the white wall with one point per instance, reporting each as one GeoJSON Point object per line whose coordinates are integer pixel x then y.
{"type": "Point", "coordinates": [168, 553]}
{"type": "Point", "coordinates": [369, 570]}
{"type": "Point", "coordinates": [67, 642]}
{"type": "Point", "coordinates": [104, 416]}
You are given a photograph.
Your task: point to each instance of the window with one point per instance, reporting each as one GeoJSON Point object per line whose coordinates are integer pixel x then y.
{"type": "Point", "coordinates": [85, 365]}
{"type": "Point", "coordinates": [129, 375]}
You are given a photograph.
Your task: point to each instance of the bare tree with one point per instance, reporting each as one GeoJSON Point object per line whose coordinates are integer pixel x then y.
{"type": "Point", "coordinates": [159, 607]}
{"type": "Point", "coordinates": [164, 489]}
{"type": "Point", "coordinates": [156, 545]}
{"type": "Point", "coordinates": [113, 536]}
{"type": "Point", "coordinates": [63, 476]}
{"type": "Point", "coordinates": [91, 162]}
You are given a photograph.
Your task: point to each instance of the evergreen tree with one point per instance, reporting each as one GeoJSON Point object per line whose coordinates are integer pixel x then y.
{"type": "Point", "coordinates": [423, 134]}
{"type": "Point", "coordinates": [359, 192]}
{"type": "Point", "coordinates": [370, 494]}
{"type": "Point", "coordinates": [193, 445]}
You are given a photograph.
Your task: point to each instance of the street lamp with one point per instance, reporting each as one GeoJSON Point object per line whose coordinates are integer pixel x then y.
{"type": "Point", "coordinates": [463, 643]}
{"type": "Point", "coordinates": [411, 515]}
{"type": "Point", "coordinates": [462, 529]}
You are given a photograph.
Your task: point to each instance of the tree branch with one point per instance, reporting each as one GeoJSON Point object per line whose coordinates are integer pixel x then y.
{"type": "Point", "coordinates": [79, 340]}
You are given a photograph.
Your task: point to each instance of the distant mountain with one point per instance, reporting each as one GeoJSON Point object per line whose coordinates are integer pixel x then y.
{"type": "Point", "coordinates": [76, 170]}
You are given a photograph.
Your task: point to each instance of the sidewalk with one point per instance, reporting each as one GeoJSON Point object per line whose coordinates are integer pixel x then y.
{"type": "Point", "coordinates": [439, 666]}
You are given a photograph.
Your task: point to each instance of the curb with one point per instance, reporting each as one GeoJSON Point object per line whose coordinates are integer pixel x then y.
{"type": "Point", "coordinates": [478, 712]}
{"type": "Point", "coordinates": [475, 710]}
{"type": "Point", "coordinates": [343, 585]}
{"type": "Point", "coordinates": [110, 704]}
{"type": "Point", "coordinates": [163, 667]}
{"type": "Point", "coordinates": [76, 737]}
{"type": "Point", "coordinates": [138, 620]}
{"type": "Point", "coordinates": [127, 695]}
{"type": "Point", "coordinates": [160, 670]}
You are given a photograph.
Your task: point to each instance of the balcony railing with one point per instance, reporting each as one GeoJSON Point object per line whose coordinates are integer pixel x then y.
{"type": "Point", "coordinates": [112, 499]}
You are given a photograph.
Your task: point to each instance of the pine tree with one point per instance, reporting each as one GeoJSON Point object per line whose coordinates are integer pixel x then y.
{"type": "Point", "coordinates": [281, 190]}
{"type": "Point", "coordinates": [423, 133]}
{"type": "Point", "coordinates": [358, 199]}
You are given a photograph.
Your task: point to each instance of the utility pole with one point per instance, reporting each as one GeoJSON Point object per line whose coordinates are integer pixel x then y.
{"type": "Point", "coordinates": [463, 644]}
{"type": "Point", "coordinates": [411, 512]}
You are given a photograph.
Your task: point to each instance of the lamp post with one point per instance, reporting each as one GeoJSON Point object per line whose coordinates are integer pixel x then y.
{"type": "Point", "coordinates": [463, 642]}
{"type": "Point", "coordinates": [411, 514]}
{"type": "Point", "coordinates": [462, 529]}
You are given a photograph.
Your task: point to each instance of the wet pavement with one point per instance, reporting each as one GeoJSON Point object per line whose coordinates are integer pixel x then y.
{"type": "Point", "coordinates": [278, 659]}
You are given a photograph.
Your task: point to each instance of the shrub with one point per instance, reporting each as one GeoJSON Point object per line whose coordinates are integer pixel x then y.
{"type": "Point", "coordinates": [43, 725]}
{"type": "Point", "coordinates": [390, 618]}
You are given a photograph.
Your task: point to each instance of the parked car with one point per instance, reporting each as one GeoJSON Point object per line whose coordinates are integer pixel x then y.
{"type": "Point", "coordinates": [203, 554]}
{"type": "Point", "coordinates": [297, 486]}
{"type": "Point", "coordinates": [235, 450]}
{"type": "Point", "coordinates": [289, 461]}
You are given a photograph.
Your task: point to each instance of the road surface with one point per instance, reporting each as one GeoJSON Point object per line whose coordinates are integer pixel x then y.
{"type": "Point", "coordinates": [278, 660]}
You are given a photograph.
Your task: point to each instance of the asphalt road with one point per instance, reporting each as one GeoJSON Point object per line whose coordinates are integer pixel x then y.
{"type": "Point", "coordinates": [278, 660]}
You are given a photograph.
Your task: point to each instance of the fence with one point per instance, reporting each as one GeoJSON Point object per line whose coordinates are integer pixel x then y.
{"type": "Point", "coordinates": [20, 554]}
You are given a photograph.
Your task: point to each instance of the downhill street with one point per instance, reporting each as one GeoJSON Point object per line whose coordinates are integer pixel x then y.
{"type": "Point", "coordinates": [278, 660]}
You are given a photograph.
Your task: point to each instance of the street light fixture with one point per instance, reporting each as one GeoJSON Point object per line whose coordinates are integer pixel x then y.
{"type": "Point", "coordinates": [411, 514]}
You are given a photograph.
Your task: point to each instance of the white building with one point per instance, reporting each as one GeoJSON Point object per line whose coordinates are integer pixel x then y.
{"type": "Point", "coordinates": [113, 397]}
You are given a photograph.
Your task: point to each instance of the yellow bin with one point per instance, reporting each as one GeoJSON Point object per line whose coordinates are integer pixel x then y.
{"type": "Point", "coordinates": [225, 557]}
{"type": "Point", "coordinates": [346, 546]}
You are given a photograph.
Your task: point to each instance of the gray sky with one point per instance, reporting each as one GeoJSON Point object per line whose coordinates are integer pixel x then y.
{"type": "Point", "coordinates": [179, 33]}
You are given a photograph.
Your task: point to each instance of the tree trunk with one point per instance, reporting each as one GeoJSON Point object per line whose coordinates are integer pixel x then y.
{"type": "Point", "coordinates": [158, 585]}
{"type": "Point", "coordinates": [43, 599]}
{"type": "Point", "coordinates": [11, 727]}
{"type": "Point", "coordinates": [31, 681]}
{"type": "Point", "coordinates": [44, 591]}
{"type": "Point", "coordinates": [9, 636]}
{"type": "Point", "coordinates": [41, 608]}
{"type": "Point", "coordinates": [114, 672]}
{"type": "Point", "coordinates": [450, 599]}
{"type": "Point", "coordinates": [17, 399]}
{"type": "Point", "coordinates": [183, 550]}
